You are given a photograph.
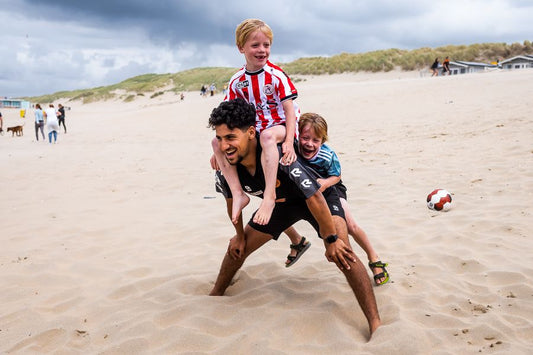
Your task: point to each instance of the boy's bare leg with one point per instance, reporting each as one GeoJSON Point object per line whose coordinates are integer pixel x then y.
{"type": "Point", "coordinates": [295, 238]}
{"type": "Point", "coordinates": [240, 199]}
{"type": "Point", "coordinates": [361, 238]}
{"type": "Point", "coordinates": [269, 160]}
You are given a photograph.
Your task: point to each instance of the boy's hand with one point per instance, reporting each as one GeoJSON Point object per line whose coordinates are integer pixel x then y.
{"type": "Point", "coordinates": [214, 163]}
{"type": "Point", "coordinates": [322, 184]}
{"type": "Point", "coordinates": [289, 156]}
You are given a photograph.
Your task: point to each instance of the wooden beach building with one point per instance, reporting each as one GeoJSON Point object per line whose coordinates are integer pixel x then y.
{"type": "Point", "coordinates": [14, 103]}
{"type": "Point", "coordinates": [461, 67]}
{"type": "Point", "coordinates": [518, 62]}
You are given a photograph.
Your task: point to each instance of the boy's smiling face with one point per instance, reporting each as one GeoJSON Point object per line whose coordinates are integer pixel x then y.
{"type": "Point", "coordinates": [309, 142]}
{"type": "Point", "coordinates": [256, 50]}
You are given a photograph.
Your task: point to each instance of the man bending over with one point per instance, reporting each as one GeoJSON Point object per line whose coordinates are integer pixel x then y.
{"type": "Point", "coordinates": [298, 198]}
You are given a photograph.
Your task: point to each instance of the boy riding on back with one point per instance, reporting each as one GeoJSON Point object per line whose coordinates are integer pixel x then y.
{"type": "Point", "coordinates": [311, 145]}
{"type": "Point", "coordinates": [271, 91]}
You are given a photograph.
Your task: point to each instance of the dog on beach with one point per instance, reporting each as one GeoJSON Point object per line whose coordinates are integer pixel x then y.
{"type": "Point", "coordinates": [18, 130]}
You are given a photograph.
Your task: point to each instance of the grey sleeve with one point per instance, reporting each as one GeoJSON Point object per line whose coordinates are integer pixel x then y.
{"type": "Point", "coordinates": [302, 176]}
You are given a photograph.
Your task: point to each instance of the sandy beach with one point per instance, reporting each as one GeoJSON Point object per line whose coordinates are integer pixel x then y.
{"type": "Point", "coordinates": [112, 238]}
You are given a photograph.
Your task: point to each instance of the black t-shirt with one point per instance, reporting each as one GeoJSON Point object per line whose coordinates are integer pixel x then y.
{"type": "Point", "coordinates": [296, 181]}
{"type": "Point", "coordinates": [295, 184]}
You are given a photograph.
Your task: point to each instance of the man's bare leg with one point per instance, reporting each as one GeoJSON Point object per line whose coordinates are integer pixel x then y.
{"type": "Point", "coordinates": [359, 282]}
{"type": "Point", "coordinates": [361, 239]}
{"type": "Point", "coordinates": [230, 266]}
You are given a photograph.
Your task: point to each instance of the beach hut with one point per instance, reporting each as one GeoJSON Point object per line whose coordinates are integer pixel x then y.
{"type": "Point", "coordinates": [14, 103]}
{"type": "Point", "coordinates": [461, 67]}
{"type": "Point", "coordinates": [518, 62]}
{"type": "Point", "coordinates": [458, 68]}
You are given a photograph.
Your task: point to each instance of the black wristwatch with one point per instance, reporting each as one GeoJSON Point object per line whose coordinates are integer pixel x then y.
{"type": "Point", "coordinates": [331, 239]}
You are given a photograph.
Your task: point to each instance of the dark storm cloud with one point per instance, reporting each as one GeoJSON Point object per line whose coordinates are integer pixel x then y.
{"type": "Point", "coordinates": [52, 45]}
{"type": "Point", "coordinates": [171, 21]}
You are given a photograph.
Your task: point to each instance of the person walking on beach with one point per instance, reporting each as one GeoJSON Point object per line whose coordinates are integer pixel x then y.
{"type": "Point", "coordinates": [61, 116]}
{"type": "Point", "coordinates": [39, 122]}
{"type": "Point", "coordinates": [52, 124]}
{"type": "Point", "coordinates": [446, 66]}
{"type": "Point", "coordinates": [435, 67]}
{"type": "Point", "coordinates": [299, 198]}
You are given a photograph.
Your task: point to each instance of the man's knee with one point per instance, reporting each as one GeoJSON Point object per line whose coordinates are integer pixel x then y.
{"type": "Point", "coordinates": [341, 228]}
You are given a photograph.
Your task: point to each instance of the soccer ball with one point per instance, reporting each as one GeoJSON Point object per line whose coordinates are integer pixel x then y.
{"type": "Point", "coordinates": [439, 200]}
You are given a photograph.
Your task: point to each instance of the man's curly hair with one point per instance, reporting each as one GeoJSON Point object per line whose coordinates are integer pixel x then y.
{"type": "Point", "coordinates": [235, 113]}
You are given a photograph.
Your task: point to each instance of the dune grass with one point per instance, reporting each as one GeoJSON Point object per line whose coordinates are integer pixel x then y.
{"type": "Point", "coordinates": [375, 61]}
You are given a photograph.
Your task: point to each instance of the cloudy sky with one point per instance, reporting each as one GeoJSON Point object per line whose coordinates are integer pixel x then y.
{"type": "Point", "coordinates": [53, 45]}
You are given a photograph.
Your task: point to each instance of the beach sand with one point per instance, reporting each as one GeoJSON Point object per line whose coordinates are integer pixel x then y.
{"type": "Point", "coordinates": [112, 238]}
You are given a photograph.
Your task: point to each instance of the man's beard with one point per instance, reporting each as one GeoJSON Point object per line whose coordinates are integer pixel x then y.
{"type": "Point", "coordinates": [239, 159]}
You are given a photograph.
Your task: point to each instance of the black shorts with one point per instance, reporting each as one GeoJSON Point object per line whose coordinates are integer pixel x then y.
{"type": "Point", "coordinates": [341, 190]}
{"type": "Point", "coordinates": [285, 214]}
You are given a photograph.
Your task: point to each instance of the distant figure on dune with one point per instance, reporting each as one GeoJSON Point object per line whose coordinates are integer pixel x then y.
{"type": "Point", "coordinates": [61, 116]}
{"type": "Point", "coordinates": [435, 67]}
{"type": "Point", "coordinates": [446, 66]}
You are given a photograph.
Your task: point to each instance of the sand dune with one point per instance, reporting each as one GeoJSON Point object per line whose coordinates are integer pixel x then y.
{"type": "Point", "coordinates": [112, 238]}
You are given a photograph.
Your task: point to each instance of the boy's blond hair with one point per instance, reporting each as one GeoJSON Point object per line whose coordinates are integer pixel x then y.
{"type": "Point", "coordinates": [249, 26]}
{"type": "Point", "coordinates": [318, 124]}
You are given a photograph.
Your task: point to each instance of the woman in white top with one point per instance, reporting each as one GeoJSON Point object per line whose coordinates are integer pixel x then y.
{"type": "Point", "coordinates": [52, 124]}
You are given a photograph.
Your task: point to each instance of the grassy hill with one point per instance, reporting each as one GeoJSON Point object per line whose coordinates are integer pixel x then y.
{"type": "Point", "coordinates": [376, 61]}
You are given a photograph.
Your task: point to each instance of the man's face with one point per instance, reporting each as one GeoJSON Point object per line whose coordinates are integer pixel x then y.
{"type": "Point", "coordinates": [234, 143]}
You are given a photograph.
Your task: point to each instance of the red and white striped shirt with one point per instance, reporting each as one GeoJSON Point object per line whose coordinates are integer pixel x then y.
{"type": "Point", "coordinates": [266, 89]}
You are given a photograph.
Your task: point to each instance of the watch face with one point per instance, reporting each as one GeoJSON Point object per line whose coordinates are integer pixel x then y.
{"type": "Point", "coordinates": [331, 238]}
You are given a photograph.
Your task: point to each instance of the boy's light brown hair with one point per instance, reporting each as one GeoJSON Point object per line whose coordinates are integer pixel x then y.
{"type": "Point", "coordinates": [318, 124]}
{"type": "Point", "coordinates": [247, 27]}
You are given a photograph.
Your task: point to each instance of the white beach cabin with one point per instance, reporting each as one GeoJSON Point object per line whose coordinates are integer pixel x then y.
{"type": "Point", "coordinates": [518, 62]}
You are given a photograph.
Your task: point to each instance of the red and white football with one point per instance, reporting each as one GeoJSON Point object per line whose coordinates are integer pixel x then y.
{"type": "Point", "coordinates": [439, 200]}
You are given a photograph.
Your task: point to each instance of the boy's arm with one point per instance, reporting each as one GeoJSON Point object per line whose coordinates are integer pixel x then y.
{"type": "Point", "coordinates": [289, 156]}
{"type": "Point", "coordinates": [328, 182]}
{"type": "Point", "coordinates": [333, 174]}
